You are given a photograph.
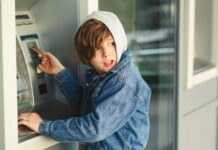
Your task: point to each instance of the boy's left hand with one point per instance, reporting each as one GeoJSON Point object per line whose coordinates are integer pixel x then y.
{"type": "Point", "coordinates": [31, 120]}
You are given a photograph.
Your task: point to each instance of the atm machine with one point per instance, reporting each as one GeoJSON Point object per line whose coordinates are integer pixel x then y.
{"type": "Point", "coordinates": [33, 89]}
{"type": "Point", "coordinates": [32, 83]}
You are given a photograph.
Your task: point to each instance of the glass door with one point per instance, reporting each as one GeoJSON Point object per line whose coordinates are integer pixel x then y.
{"type": "Point", "coordinates": [151, 30]}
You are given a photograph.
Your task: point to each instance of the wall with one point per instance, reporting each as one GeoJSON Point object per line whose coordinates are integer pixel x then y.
{"type": "Point", "coordinates": [197, 106]}
{"type": "Point", "coordinates": [8, 88]}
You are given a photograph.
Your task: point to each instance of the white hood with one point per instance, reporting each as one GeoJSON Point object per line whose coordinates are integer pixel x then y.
{"type": "Point", "coordinates": [114, 25]}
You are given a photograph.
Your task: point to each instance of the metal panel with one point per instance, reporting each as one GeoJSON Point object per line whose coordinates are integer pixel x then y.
{"type": "Point", "coordinates": [56, 22]}
{"type": "Point", "coordinates": [24, 5]}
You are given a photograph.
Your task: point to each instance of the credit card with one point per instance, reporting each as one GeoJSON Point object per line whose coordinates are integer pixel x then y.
{"type": "Point", "coordinates": [35, 49]}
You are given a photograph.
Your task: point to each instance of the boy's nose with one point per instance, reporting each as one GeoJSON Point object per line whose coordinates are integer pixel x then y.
{"type": "Point", "coordinates": [106, 53]}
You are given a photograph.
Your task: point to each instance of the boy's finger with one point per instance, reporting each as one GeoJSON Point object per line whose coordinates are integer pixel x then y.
{"type": "Point", "coordinates": [22, 118]}
{"type": "Point", "coordinates": [23, 115]}
{"type": "Point", "coordinates": [40, 55]}
{"type": "Point", "coordinates": [23, 122]}
{"type": "Point", "coordinates": [43, 55]}
{"type": "Point", "coordinates": [42, 67]}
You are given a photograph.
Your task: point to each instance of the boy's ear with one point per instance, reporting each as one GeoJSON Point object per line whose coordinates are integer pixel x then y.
{"type": "Point", "coordinates": [85, 61]}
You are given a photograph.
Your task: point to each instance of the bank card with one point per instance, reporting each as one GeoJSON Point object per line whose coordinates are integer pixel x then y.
{"type": "Point", "coordinates": [35, 49]}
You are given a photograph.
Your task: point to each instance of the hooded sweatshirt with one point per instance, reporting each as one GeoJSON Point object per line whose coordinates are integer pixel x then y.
{"type": "Point", "coordinates": [113, 23]}
{"type": "Point", "coordinates": [113, 106]}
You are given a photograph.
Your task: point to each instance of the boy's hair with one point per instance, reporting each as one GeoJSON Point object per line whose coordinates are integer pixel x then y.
{"type": "Point", "coordinates": [88, 38]}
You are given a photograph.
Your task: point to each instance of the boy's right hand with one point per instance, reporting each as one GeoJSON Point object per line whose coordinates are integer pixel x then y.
{"type": "Point", "coordinates": [50, 64]}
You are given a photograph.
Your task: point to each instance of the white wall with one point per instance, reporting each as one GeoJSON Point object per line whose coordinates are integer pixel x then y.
{"type": "Point", "coordinates": [8, 88]}
{"type": "Point", "coordinates": [197, 106]}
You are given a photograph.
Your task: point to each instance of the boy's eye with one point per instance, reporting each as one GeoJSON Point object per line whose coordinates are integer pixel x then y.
{"type": "Point", "coordinates": [111, 43]}
{"type": "Point", "coordinates": [98, 48]}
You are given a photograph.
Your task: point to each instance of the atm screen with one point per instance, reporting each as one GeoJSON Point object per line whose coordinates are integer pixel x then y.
{"type": "Point", "coordinates": [29, 37]}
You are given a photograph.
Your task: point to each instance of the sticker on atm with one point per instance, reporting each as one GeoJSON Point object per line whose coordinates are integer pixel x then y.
{"type": "Point", "coordinates": [35, 49]}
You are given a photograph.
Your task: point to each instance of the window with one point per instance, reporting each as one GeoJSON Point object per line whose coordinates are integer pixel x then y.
{"type": "Point", "coordinates": [200, 38]}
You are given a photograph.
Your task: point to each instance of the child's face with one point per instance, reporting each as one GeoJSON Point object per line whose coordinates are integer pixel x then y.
{"type": "Point", "coordinates": [105, 57]}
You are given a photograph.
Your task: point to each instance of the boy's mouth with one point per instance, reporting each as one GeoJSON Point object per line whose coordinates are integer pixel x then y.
{"type": "Point", "coordinates": [109, 63]}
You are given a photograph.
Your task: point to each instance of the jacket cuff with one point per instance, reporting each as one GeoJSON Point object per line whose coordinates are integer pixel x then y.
{"type": "Point", "coordinates": [62, 76]}
{"type": "Point", "coordinates": [44, 128]}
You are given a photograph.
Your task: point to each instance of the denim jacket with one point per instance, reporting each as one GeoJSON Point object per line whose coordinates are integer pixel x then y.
{"type": "Point", "coordinates": [113, 109]}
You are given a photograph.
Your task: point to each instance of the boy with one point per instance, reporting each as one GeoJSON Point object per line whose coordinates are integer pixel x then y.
{"type": "Point", "coordinates": [115, 101]}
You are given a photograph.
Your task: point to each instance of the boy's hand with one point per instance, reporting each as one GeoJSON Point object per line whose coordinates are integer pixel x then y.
{"type": "Point", "coordinates": [23, 130]}
{"type": "Point", "coordinates": [50, 64]}
{"type": "Point", "coordinates": [31, 120]}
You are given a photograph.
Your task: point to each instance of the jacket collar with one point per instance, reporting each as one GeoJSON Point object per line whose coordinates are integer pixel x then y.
{"type": "Point", "coordinates": [125, 58]}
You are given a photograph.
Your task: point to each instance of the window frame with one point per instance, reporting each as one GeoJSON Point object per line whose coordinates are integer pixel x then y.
{"type": "Point", "coordinates": [189, 38]}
